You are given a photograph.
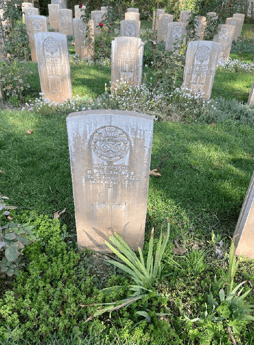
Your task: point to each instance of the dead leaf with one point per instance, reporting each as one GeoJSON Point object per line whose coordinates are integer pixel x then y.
{"type": "Point", "coordinates": [10, 218]}
{"type": "Point", "coordinates": [2, 172]}
{"type": "Point", "coordinates": [29, 131]}
{"type": "Point", "coordinates": [11, 207]}
{"type": "Point", "coordinates": [154, 173]}
{"type": "Point", "coordinates": [195, 246]}
{"type": "Point", "coordinates": [58, 213]}
{"type": "Point", "coordinates": [179, 250]}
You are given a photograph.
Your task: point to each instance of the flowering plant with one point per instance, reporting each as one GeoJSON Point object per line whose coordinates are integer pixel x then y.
{"type": "Point", "coordinates": [80, 5]}
{"type": "Point", "coordinates": [101, 25]}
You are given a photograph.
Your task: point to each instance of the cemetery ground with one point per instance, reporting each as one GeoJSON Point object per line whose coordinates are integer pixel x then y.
{"type": "Point", "coordinates": [204, 152]}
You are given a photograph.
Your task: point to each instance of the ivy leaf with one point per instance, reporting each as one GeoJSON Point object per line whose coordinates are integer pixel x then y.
{"type": "Point", "coordinates": [2, 244]}
{"type": "Point", "coordinates": [11, 253]}
{"type": "Point", "coordinates": [10, 236]}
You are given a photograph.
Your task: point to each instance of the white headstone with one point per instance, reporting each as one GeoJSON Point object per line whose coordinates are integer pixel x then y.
{"type": "Point", "coordinates": [54, 66]}
{"type": "Point", "coordinates": [53, 16]}
{"type": "Point", "coordinates": [110, 181]}
{"type": "Point", "coordinates": [65, 25]}
{"type": "Point", "coordinates": [176, 33]}
{"type": "Point", "coordinates": [84, 47]}
{"type": "Point", "coordinates": [30, 11]}
{"type": "Point", "coordinates": [98, 17]}
{"type": "Point", "coordinates": [79, 11]}
{"type": "Point", "coordinates": [62, 3]}
{"type": "Point", "coordinates": [132, 9]}
{"type": "Point", "coordinates": [156, 17]}
{"type": "Point", "coordinates": [35, 24]}
{"type": "Point", "coordinates": [200, 66]}
{"type": "Point", "coordinates": [236, 22]}
{"type": "Point", "coordinates": [132, 16]}
{"type": "Point", "coordinates": [240, 16]}
{"type": "Point", "coordinates": [130, 28]}
{"type": "Point", "coordinates": [126, 60]}
{"type": "Point", "coordinates": [184, 16]}
{"type": "Point", "coordinates": [244, 232]}
{"type": "Point", "coordinates": [23, 6]}
{"type": "Point", "coordinates": [200, 27]}
{"type": "Point", "coordinates": [225, 37]}
{"type": "Point", "coordinates": [162, 26]}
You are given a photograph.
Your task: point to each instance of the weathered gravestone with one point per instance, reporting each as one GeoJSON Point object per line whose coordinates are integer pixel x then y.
{"type": "Point", "coordinates": [126, 60]}
{"type": "Point", "coordinates": [225, 37]}
{"type": "Point", "coordinates": [132, 9]}
{"type": "Point", "coordinates": [156, 17]}
{"type": "Point", "coordinates": [132, 16]}
{"type": "Point", "coordinates": [251, 95]}
{"type": "Point", "coordinates": [176, 31]}
{"type": "Point", "coordinates": [84, 39]}
{"type": "Point", "coordinates": [184, 16]}
{"type": "Point", "coordinates": [212, 14]}
{"type": "Point", "coordinates": [104, 9]}
{"type": "Point", "coordinates": [250, 12]}
{"type": "Point", "coordinates": [35, 24]}
{"type": "Point", "coordinates": [62, 3]}
{"type": "Point", "coordinates": [240, 16]}
{"type": "Point", "coordinates": [236, 22]}
{"type": "Point", "coordinates": [130, 28]}
{"type": "Point", "coordinates": [65, 25]}
{"type": "Point", "coordinates": [110, 180]}
{"type": "Point", "coordinates": [244, 232]}
{"type": "Point", "coordinates": [53, 65]}
{"type": "Point", "coordinates": [200, 66]}
{"type": "Point", "coordinates": [200, 27]}
{"type": "Point", "coordinates": [53, 16]}
{"type": "Point", "coordinates": [98, 17]}
{"type": "Point", "coordinates": [30, 11]}
{"type": "Point", "coordinates": [162, 26]}
{"type": "Point", "coordinates": [79, 11]}
{"type": "Point", "coordinates": [23, 6]}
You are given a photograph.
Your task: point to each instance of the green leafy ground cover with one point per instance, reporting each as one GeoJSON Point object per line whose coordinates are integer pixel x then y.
{"type": "Point", "coordinates": [205, 171]}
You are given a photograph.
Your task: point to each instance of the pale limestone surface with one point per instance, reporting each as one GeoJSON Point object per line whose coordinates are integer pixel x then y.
{"type": "Point", "coordinates": [53, 16]}
{"type": "Point", "coordinates": [110, 180]}
{"type": "Point", "coordinates": [132, 9]}
{"type": "Point", "coordinates": [251, 95]}
{"type": "Point", "coordinates": [104, 9]}
{"type": "Point", "coordinates": [132, 16]}
{"type": "Point", "coordinates": [242, 17]}
{"type": "Point", "coordinates": [200, 27]}
{"type": "Point", "coordinates": [156, 17]}
{"type": "Point", "coordinates": [162, 26]}
{"type": "Point", "coordinates": [126, 60]}
{"type": "Point", "coordinates": [200, 66]}
{"type": "Point", "coordinates": [62, 3]}
{"type": "Point", "coordinates": [23, 6]}
{"type": "Point", "coordinates": [130, 28]}
{"type": "Point", "coordinates": [212, 14]}
{"type": "Point", "coordinates": [79, 11]}
{"type": "Point", "coordinates": [35, 24]}
{"type": "Point", "coordinates": [225, 37]}
{"type": "Point", "coordinates": [176, 31]}
{"type": "Point", "coordinates": [236, 22]}
{"type": "Point", "coordinates": [84, 48]}
{"type": "Point", "coordinates": [98, 17]}
{"type": "Point", "coordinates": [184, 16]}
{"type": "Point", "coordinates": [244, 232]}
{"type": "Point", "coordinates": [30, 11]}
{"type": "Point", "coordinates": [53, 65]}
{"type": "Point", "coordinates": [65, 25]}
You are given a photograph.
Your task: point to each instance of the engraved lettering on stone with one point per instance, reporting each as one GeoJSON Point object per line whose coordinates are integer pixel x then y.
{"type": "Point", "coordinates": [177, 33]}
{"type": "Point", "coordinates": [233, 22]}
{"type": "Point", "coordinates": [110, 143]}
{"type": "Point", "coordinates": [130, 30]}
{"type": "Point", "coordinates": [82, 27]}
{"type": "Point", "coordinates": [165, 20]}
{"type": "Point", "coordinates": [203, 54]}
{"type": "Point", "coordinates": [30, 12]}
{"type": "Point", "coordinates": [52, 58]}
{"type": "Point", "coordinates": [37, 25]}
{"type": "Point", "coordinates": [224, 34]}
{"type": "Point", "coordinates": [131, 17]}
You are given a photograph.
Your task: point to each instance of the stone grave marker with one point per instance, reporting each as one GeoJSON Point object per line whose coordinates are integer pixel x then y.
{"type": "Point", "coordinates": [225, 37]}
{"type": "Point", "coordinates": [98, 17]}
{"type": "Point", "coordinates": [244, 232]}
{"type": "Point", "coordinates": [53, 16]}
{"type": "Point", "coordinates": [110, 181]}
{"type": "Point", "coordinates": [212, 14]}
{"type": "Point", "coordinates": [23, 6]}
{"type": "Point", "coordinates": [236, 22]}
{"type": "Point", "coordinates": [62, 3]}
{"type": "Point", "coordinates": [79, 11]}
{"type": "Point", "coordinates": [84, 48]}
{"type": "Point", "coordinates": [200, 27]}
{"type": "Point", "coordinates": [130, 28]}
{"type": "Point", "coordinates": [184, 16]}
{"type": "Point", "coordinates": [53, 65]}
{"type": "Point", "coordinates": [162, 26]}
{"type": "Point", "coordinates": [251, 95]}
{"type": "Point", "coordinates": [176, 31]}
{"type": "Point", "coordinates": [126, 60]}
{"type": "Point", "coordinates": [132, 9]}
{"type": "Point", "coordinates": [132, 16]}
{"type": "Point", "coordinates": [35, 24]}
{"type": "Point", "coordinates": [104, 9]}
{"type": "Point", "coordinates": [242, 17]}
{"type": "Point", "coordinates": [65, 24]}
{"type": "Point", "coordinates": [30, 11]}
{"type": "Point", "coordinates": [200, 66]}
{"type": "Point", "coordinates": [156, 17]}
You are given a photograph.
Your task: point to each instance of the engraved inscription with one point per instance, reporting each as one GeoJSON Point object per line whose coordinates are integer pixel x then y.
{"type": "Point", "coordinates": [110, 143]}
{"type": "Point", "coordinates": [233, 22]}
{"type": "Point", "coordinates": [50, 45]}
{"type": "Point", "coordinates": [203, 54]}
{"type": "Point", "coordinates": [165, 20]}
{"type": "Point", "coordinates": [30, 12]}
{"type": "Point", "coordinates": [177, 33]}
{"type": "Point", "coordinates": [82, 27]}
{"type": "Point", "coordinates": [224, 34]}
{"type": "Point", "coordinates": [37, 25]}
{"type": "Point", "coordinates": [130, 30]}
